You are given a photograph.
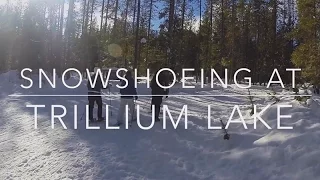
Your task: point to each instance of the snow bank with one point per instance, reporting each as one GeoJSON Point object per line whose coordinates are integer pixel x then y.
{"type": "Point", "coordinates": [195, 153]}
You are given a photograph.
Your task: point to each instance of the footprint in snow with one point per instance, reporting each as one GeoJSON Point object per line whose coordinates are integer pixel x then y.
{"type": "Point", "coordinates": [48, 153]}
{"type": "Point", "coordinates": [23, 163]}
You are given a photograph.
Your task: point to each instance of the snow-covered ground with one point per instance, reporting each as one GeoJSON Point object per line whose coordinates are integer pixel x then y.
{"type": "Point", "coordinates": [195, 153]}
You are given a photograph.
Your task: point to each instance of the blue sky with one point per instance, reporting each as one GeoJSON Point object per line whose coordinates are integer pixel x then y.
{"type": "Point", "coordinates": [155, 22]}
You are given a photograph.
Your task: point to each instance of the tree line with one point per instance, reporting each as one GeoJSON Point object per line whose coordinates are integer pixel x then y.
{"type": "Point", "coordinates": [257, 34]}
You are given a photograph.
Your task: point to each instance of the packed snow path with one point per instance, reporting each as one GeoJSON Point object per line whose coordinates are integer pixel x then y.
{"type": "Point", "coordinates": [195, 153]}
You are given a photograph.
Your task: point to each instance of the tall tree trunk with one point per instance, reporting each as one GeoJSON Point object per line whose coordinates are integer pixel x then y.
{"type": "Point", "coordinates": [137, 41]}
{"type": "Point", "coordinates": [87, 16]}
{"type": "Point", "coordinates": [84, 17]}
{"type": "Point", "coordinates": [149, 31]}
{"type": "Point", "coordinates": [170, 29]}
{"type": "Point", "coordinates": [222, 29]}
{"type": "Point", "coordinates": [126, 19]}
{"type": "Point", "coordinates": [259, 64]}
{"type": "Point", "coordinates": [107, 16]}
{"type": "Point", "coordinates": [199, 43]}
{"type": "Point", "coordinates": [91, 17]}
{"type": "Point", "coordinates": [102, 14]}
{"type": "Point", "coordinates": [233, 21]}
{"type": "Point", "coordinates": [315, 9]}
{"type": "Point", "coordinates": [274, 31]}
{"type": "Point", "coordinates": [69, 32]}
{"type": "Point", "coordinates": [182, 32]}
{"type": "Point", "coordinates": [134, 15]}
{"type": "Point", "coordinates": [61, 19]}
{"type": "Point", "coordinates": [125, 34]}
{"type": "Point", "coordinates": [115, 24]}
{"type": "Point", "coordinates": [150, 18]}
{"type": "Point", "coordinates": [208, 51]}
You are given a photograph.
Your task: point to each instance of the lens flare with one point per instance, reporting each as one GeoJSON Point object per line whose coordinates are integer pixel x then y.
{"type": "Point", "coordinates": [115, 50]}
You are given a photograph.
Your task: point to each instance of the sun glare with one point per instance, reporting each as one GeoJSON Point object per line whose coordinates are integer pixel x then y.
{"type": "Point", "coordinates": [14, 2]}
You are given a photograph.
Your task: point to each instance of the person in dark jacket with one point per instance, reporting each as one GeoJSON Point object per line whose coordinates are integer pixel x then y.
{"type": "Point", "coordinates": [128, 95]}
{"type": "Point", "coordinates": [94, 96]}
{"type": "Point", "coordinates": [316, 89]}
{"type": "Point", "coordinates": [158, 93]}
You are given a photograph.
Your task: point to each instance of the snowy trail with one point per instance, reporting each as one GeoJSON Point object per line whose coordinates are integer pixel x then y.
{"type": "Point", "coordinates": [195, 153]}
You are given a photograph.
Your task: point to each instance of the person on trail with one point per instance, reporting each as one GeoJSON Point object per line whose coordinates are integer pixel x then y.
{"type": "Point", "coordinates": [158, 93]}
{"type": "Point", "coordinates": [128, 95]}
{"type": "Point", "coordinates": [94, 96]}
{"type": "Point", "coordinates": [316, 89]}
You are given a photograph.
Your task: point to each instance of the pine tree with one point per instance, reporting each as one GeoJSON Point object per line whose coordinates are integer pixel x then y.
{"type": "Point", "coordinates": [307, 54]}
